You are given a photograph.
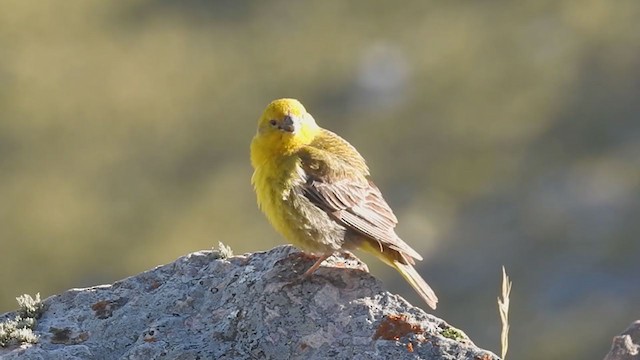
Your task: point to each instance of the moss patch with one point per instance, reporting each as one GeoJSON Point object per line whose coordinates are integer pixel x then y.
{"type": "Point", "coordinates": [453, 334]}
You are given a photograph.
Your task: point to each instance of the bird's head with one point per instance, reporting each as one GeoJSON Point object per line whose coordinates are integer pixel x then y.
{"type": "Point", "coordinates": [285, 125]}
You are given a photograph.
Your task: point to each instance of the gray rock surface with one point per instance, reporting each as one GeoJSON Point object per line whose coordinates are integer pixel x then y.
{"type": "Point", "coordinates": [626, 346]}
{"type": "Point", "coordinates": [252, 306]}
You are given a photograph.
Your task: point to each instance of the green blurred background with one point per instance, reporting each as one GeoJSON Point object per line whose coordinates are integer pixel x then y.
{"type": "Point", "coordinates": [501, 132]}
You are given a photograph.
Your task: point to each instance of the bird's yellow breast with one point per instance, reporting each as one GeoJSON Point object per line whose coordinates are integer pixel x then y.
{"type": "Point", "coordinates": [278, 185]}
{"type": "Point", "coordinates": [279, 180]}
{"type": "Point", "coordinates": [274, 182]}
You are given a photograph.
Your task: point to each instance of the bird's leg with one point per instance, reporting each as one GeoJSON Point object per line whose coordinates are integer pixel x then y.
{"type": "Point", "coordinates": [316, 265]}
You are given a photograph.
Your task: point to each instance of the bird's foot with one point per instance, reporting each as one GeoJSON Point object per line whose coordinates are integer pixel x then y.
{"type": "Point", "coordinates": [299, 261]}
{"type": "Point", "coordinates": [316, 265]}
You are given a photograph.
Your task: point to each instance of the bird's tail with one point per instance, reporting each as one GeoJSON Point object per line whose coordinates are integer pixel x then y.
{"type": "Point", "coordinates": [417, 283]}
{"type": "Point", "coordinates": [404, 264]}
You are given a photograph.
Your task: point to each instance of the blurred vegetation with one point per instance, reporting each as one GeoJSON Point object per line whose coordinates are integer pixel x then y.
{"type": "Point", "coordinates": [501, 132]}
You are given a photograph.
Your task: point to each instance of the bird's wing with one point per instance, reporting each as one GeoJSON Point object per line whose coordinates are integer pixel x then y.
{"type": "Point", "coordinates": [351, 199]}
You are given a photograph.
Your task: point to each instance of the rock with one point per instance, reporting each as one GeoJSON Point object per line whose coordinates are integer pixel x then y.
{"type": "Point", "coordinates": [626, 346]}
{"type": "Point", "coordinates": [252, 306]}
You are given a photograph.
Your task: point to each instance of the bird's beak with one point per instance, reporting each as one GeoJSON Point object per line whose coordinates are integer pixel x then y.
{"type": "Point", "coordinates": [287, 124]}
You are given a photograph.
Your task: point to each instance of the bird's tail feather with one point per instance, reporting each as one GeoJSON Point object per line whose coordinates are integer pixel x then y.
{"type": "Point", "coordinates": [403, 263]}
{"type": "Point", "coordinates": [417, 282]}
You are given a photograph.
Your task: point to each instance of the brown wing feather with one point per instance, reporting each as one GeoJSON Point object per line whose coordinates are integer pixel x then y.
{"type": "Point", "coordinates": [360, 207]}
{"type": "Point", "coordinates": [337, 183]}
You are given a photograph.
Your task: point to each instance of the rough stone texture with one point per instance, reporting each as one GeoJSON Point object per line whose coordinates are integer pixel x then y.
{"type": "Point", "coordinates": [253, 306]}
{"type": "Point", "coordinates": [626, 346]}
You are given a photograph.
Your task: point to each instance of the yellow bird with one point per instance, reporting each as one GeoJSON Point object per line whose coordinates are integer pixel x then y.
{"type": "Point", "coordinates": [314, 188]}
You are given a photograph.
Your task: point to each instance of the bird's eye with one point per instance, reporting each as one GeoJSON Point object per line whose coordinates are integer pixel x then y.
{"type": "Point", "coordinates": [273, 122]}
